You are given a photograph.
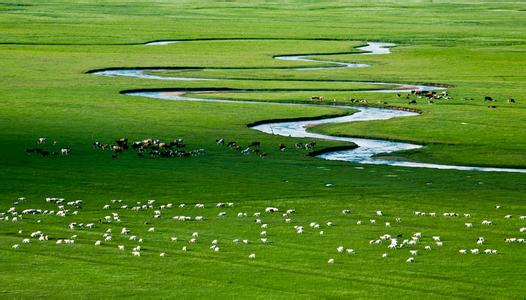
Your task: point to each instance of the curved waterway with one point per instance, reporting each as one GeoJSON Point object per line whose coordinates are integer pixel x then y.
{"type": "Point", "coordinates": [367, 148]}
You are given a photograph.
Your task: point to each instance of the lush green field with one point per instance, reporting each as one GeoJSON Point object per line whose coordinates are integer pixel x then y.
{"type": "Point", "coordinates": [474, 47]}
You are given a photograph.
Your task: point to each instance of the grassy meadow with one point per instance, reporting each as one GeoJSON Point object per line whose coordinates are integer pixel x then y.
{"type": "Point", "coordinates": [476, 48]}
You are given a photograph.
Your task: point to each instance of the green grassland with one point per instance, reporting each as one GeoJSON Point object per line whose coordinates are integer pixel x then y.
{"type": "Point", "coordinates": [474, 47]}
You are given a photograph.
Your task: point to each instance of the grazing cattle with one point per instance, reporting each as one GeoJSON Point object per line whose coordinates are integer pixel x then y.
{"type": "Point", "coordinates": [123, 142]}
{"type": "Point", "coordinates": [179, 143]}
{"type": "Point", "coordinates": [511, 100]}
{"type": "Point", "coordinates": [319, 98]}
{"type": "Point", "coordinates": [117, 149]}
{"type": "Point", "coordinates": [282, 147]}
{"type": "Point", "coordinates": [220, 141]}
{"type": "Point", "coordinates": [492, 106]}
{"type": "Point", "coordinates": [412, 102]}
{"type": "Point", "coordinates": [488, 98]}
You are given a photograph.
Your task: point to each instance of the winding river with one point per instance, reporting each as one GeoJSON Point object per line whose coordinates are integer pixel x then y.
{"type": "Point", "coordinates": [367, 148]}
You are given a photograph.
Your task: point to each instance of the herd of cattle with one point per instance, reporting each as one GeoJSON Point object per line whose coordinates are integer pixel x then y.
{"type": "Point", "coordinates": [153, 148]}
{"type": "Point", "coordinates": [104, 228]}
{"type": "Point", "coordinates": [157, 148]}
{"type": "Point", "coordinates": [430, 96]}
{"type": "Point", "coordinates": [54, 151]}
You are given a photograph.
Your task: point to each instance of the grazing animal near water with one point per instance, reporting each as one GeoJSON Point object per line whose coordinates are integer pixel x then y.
{"type": "Point", "coordinates": [319, 98]}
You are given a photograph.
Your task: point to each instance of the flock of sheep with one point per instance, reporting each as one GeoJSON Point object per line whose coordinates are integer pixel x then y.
{"type": "Point", "coordinates": [115, 210]}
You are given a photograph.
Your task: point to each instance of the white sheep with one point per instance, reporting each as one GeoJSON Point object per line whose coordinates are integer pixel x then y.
{"type": "Point", "coordinates": [136, 253]}
{"type": "Point", "coordinates": [162, 254]}
{"type": "Point", "coordinates": [97, 243]}
{"type": "Point", "coordinates": [120, 247]}
{"type": "Point", "coordinates": [15, 246]}
{"type": "Point", "coordinates": [410, 260]}
{"type": "Point", "coordinates": [379, 213]}
{"type": "Point", "coordinates": [462, 251]}
{"type": "Point", "coordinates": [252, 256]}
{"type": "Point", "coordinates": [340, 249]}
{"type": "Point", "coordinates": [271, 209]}
{"type": "Point", "coordinates": [151, 229]}
{"type": "Point", "coordinates": [330, 261]}
{"type": "Point", "coordinates": [384, 255]}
